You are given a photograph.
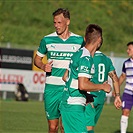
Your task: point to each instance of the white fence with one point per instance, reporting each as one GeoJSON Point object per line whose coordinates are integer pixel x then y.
{"type": "Point", "coordinates": [34, 81]}
{"type": "Point", "coordinates": [118, 62]}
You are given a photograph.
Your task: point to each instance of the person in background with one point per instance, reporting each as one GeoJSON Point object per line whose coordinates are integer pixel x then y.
{"type": "Point", "coordinates": [103, 68]}
{"type": "Point", "coordinates": [127, 97]}
{"type": "Point", "coordinates": [59, 47]}
{"type": "Point", "coordinates": [21, 93]}
{"type": "Point", "coordinates": [77, 77]}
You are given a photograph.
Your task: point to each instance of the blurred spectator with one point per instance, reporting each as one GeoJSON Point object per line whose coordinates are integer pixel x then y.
{"type": "Point", "coordinates": [21, 93]}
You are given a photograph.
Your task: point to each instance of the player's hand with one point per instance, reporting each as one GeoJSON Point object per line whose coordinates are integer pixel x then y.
{"type": "Point", "coordinates": [117, 102]}
{"type": "Point", "coordinates": [107, 87]}
{"type": "Point", "coordinates": [47, 67]}
{"type": "Point", "coordinates": [89, 98]}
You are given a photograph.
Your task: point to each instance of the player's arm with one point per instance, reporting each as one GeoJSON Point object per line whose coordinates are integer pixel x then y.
{"type": "Point", "coordinates": [38, 63]}
{"type": "Point", "coordinates": [122, 78]}
{"type": "Point", "coordinates": [65, 76]}
{"type": "Point", "coordinates": [85, 84]}
{"type": "Point", "coordinates": [115, 80]}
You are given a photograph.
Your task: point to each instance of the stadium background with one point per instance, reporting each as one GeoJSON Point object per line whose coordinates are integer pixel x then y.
{"type": "Point", "coordinates": [24, 23]}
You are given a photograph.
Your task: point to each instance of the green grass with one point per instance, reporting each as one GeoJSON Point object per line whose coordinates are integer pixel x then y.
{"type": "Point", "coordinates": [110, 119]}
{"type": "Point", "coordinates": [29, 117]}
{"type": "Point", "coordinates": [21, 117]}
{"type": "Point", "coordinates": [23, 23]}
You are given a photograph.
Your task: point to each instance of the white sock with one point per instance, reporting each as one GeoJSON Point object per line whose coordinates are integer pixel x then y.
{"type": "Point", "coordinates": [124, 123]}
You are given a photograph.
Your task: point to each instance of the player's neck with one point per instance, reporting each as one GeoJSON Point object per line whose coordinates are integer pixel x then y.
{"type": "Point", "coordinates": [65, 35]}
{"type": "Point", "coordinates": [91, 49]}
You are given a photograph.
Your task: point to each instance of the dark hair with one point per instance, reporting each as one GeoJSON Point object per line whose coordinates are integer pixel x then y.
{"type": "Point", "coordinates": [65, 12]}
{"type": "Point", "coordinates": [93, 32]}
{"type": "Point", "coordinates": [130, 43]}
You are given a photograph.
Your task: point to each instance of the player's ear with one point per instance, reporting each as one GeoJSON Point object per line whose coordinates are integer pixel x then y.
{"type": "Point", "coordinates": [68, 22]}
{"type": "Point", "coordinates": [99, 40]}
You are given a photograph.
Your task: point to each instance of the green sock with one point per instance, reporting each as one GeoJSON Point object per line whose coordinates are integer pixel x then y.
{"type": "Point", "coordinates": [91, 131]}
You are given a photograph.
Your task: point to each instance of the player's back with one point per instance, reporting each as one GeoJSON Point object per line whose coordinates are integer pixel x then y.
{"type": "Point", "coordinates": [81, 65]}
{"type": "Point", "coordinates": [103, 65]}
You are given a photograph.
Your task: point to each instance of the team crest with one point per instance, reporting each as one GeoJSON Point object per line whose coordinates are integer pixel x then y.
{"type": "Point", "coordinates": [74, 48]}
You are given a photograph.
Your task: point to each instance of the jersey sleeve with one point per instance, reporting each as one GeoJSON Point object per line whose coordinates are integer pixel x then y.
{"type": "Point", "coordinates": [123, 68]}
{"type": "Point", "coordinates": [86, 67]}
{"type": "Point", "coordinates": [112, 68]}
{"type": "Point", "coordinates": [42, 50]}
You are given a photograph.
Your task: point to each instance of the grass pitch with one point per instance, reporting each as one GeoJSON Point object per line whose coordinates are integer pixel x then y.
{"type": "Point", "coordinates": [29, 117]}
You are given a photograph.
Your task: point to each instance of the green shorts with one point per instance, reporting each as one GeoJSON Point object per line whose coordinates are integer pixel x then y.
{"type": "Point", "coordinates": [52, 99]}
{"type": "Point", "coordinates": [92, 114]}
{"type": "Point", "coordinates": [74, 121]}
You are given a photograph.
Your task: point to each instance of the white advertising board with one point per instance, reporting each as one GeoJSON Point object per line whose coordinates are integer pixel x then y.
{"type": "Point", "coordinates": [34, 81]}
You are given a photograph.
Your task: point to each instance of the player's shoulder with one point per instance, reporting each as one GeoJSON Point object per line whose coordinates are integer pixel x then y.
{"type": "Point", "coordinates": [128, 60]}
{"type": "Point", "coordinates": [85, 52]}
{"type": "Point", "coordinates": [82, 52]}
{"type": "Point", "coordinates": [76, 35]}
{"type": "Point", "coordinates": [49, 37]}
{"type": "Point", "coordinates": [102, 55]}
{"type": "Point", "coordinates": [99, 54]}
{"type": "Point", "coordinates": [54, 34]}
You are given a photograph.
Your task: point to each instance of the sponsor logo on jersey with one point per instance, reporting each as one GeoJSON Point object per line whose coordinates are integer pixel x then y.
{"type": "Point", "coordinates": [61, 54]}
{"type": "Point", "coordinates": [84, 68]}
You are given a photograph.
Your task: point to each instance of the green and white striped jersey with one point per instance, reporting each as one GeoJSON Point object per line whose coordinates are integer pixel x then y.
{"type": "Point", "coordinates": [60, 51]}
{"type": "Point", "coordinates": [81, 65]}
{"type": "Point", "coordinates": [103, 65]}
